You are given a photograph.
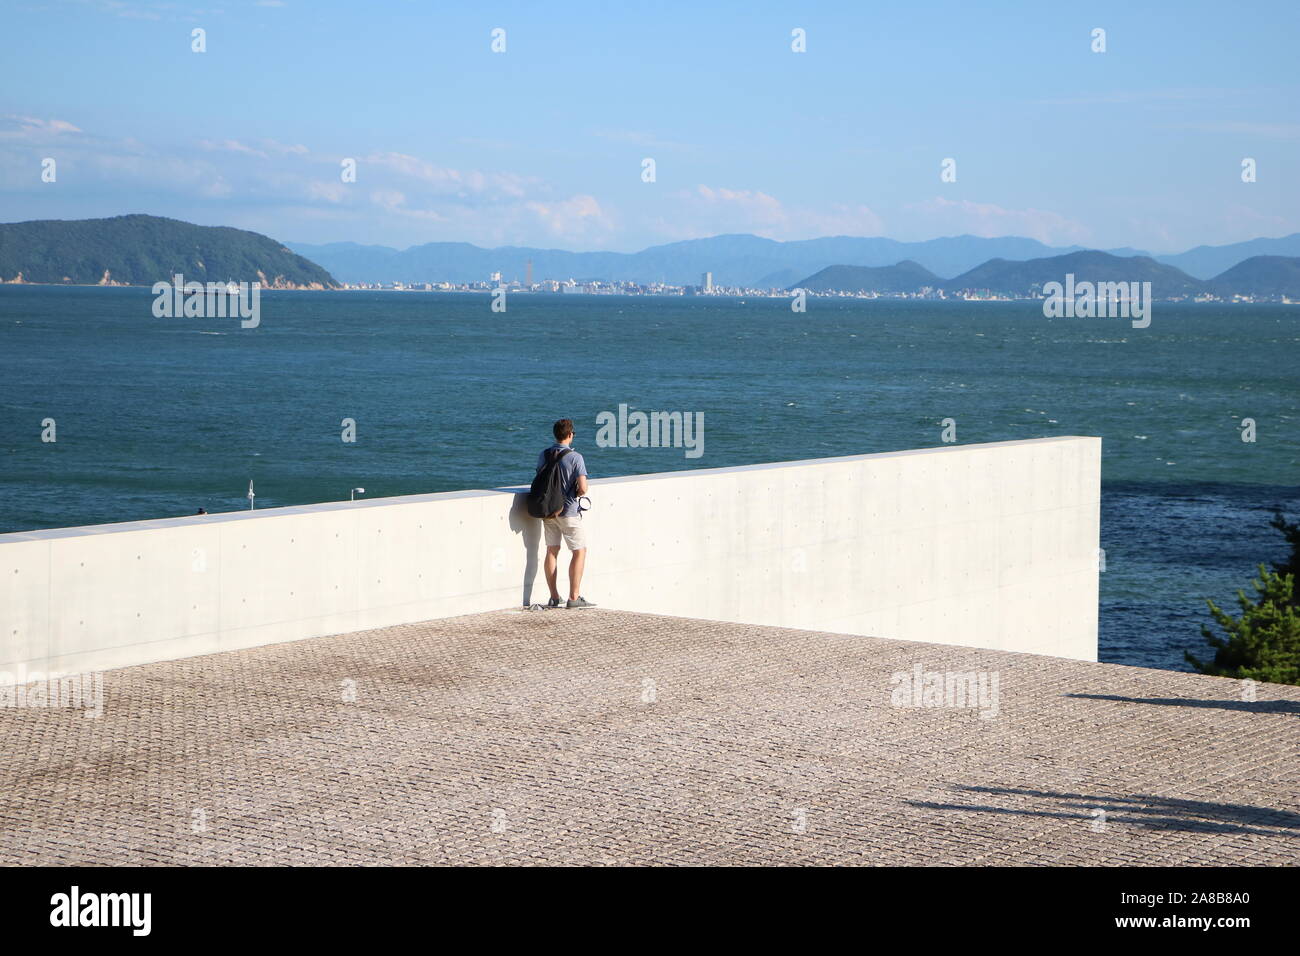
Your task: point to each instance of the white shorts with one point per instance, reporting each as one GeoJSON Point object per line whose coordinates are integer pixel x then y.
{"type": "Point", "coordinates": [570, 529]}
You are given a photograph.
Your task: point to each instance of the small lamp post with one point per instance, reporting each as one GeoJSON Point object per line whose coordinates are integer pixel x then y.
{"type": "Point", "coordinates": [357, 491]}
{"type": "Point", "coordinates": [251, 496]}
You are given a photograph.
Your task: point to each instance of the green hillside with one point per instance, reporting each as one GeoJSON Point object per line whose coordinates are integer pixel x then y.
{"type": "Point", "coordinates": [142, 250]}
{"type": "Point", "coordinates": [907, 276]}
{"type": "Point", "coordinates": [1022, 278]}
{"type": "Point", "coordinates": [1261, 276]}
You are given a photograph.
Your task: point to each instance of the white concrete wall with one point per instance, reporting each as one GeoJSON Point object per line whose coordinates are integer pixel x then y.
{"type": "Point", "coordinates": [982, 545]}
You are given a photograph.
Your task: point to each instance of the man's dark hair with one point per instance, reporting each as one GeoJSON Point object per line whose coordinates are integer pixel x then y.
{"type": "Point", "coordinates": [563, 429]}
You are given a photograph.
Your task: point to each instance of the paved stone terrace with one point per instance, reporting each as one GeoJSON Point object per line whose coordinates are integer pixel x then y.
{"type": "Point", "coordinates": [535, 738]}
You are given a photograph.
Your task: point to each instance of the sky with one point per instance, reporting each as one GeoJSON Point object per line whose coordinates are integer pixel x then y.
{"type": "Point", "coordinates": [544, 144]}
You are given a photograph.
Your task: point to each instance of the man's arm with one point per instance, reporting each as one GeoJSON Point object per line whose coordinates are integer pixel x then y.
{"type": "Point", "coordinates": [580, 479]}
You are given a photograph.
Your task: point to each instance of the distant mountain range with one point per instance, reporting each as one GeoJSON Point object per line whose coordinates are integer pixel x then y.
{"type": "Point", "coordinates": [1205, 262]}
{"type": "Point", "coordinates": [142, 250]}
{"type": "Point", "coordinates": [1257, 276]}
{"type": "Point", "coordinates": [734, 260]}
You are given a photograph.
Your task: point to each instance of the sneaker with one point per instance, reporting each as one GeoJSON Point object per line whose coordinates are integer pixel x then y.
{"type": "Point", "coordinates": [581, 602]}
{"type": "Point", "coordinates": [554, 602]}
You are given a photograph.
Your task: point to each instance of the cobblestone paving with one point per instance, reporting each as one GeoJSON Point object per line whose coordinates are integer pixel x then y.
{"type": "Point", "coordinates": [600, 737]}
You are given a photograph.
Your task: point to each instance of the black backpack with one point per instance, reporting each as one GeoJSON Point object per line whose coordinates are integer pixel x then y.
{"type": "Point", "coordinates": [546, 496]}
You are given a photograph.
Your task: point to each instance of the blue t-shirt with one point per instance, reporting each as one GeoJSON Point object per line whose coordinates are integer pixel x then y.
{"type": "Point", "coordinates": [571, 467]}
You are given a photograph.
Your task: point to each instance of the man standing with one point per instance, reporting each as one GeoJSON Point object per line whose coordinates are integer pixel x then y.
{"type": "Point", "coordinates": [568, 524]}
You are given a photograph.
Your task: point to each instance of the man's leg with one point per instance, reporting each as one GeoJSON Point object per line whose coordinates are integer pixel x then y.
{"type": "Point", "coordinates": [552, 570]}
{"type": "Point", "coordinates": [577, 562]}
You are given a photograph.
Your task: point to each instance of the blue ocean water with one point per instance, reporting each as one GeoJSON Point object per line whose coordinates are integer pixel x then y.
{"type": "Point", "coordinates": [159, 417]}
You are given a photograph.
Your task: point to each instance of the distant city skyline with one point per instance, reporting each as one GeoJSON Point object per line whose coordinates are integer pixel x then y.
{"type": "Point", "coordinates": [544, 144]}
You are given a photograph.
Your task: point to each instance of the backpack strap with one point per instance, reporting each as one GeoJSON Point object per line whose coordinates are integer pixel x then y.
{"type": "Point", "coordinates": [552, 459]}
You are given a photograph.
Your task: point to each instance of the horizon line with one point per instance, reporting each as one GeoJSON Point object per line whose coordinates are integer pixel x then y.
{"type": "Point", "coordinates": [722, 235]}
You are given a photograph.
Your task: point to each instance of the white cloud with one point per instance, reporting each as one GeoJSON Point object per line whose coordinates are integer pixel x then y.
{"type": "Point", "coordinates": [230, 146]}
{"type": "Point", "coordinates": [939, 216]}
{"type": "Point", "coordinates": [393, 200]}
{"type": "Point", "coordinates": [325, 191]}
{"type": "Point", "coordinates": [216, 189]}
{"type": "Point", "coordinates": [578, 218]}
{"type": "Point", "coordinates": [710, 210]}
{"type": "Point", "coordinates": [130, 11]}
{"type": "Point", "coordinates": [13, 126]}
{"type": "Point", "coordinates": [157, 10]}
{"type": "Point", "coordinates": [641, 139]}
{"type": "Point", "coordinates": [758, 206]}
{"type": "Point", "coordinates": [296, 149]}
{"type": "Point", "coordinates": [1119, 97]}
{"type": "Point", "coordinates": [447, 181]}
{"type": "Point", "coordinates": [1265, 130]}
{"type": "Point", "coordinates": [1243, 222]}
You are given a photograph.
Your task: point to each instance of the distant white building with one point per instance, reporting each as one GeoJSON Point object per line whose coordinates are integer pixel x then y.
{"type": "Point", "coordinates": [706, 284]}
